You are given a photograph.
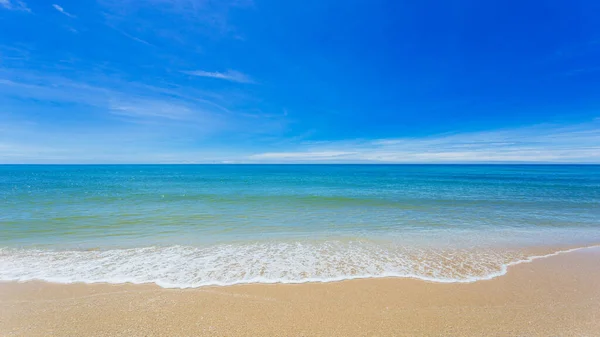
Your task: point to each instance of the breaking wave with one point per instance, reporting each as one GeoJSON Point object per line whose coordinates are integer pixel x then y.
{"type": "Point", "coordinates": [261, 262]}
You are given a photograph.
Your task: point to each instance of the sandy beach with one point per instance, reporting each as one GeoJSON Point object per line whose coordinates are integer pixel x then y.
{"type": "Point", "coordinates": [555, 296]}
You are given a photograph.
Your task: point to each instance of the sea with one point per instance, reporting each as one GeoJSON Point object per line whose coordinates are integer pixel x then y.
{"type": "Point", "coordinates": [185, 226]}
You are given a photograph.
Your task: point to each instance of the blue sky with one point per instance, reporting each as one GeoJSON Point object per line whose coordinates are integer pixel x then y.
{"type": "Point", "coordinates": [264, 81]}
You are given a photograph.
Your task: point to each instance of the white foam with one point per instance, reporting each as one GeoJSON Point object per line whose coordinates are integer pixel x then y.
{"type": "Point", "coordinates": [273, 262]}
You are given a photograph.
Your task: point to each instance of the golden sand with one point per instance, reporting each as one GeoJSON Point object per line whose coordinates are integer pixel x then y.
{"type": "Point", "coordinates": [556, 296]}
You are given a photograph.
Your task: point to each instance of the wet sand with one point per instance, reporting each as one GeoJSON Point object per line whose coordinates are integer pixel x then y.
{"type": "Point", "coordinates": [555, 296]}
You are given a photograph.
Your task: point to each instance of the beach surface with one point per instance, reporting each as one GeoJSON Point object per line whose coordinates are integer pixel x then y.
{"type": "Point", "coordinates": [554, 296]}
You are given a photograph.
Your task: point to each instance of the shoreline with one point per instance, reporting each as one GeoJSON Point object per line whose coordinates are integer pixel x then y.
{"type": "Point", "coordinates": [535, 253]}
{"type": "Point", "coordinates": [557, 295]}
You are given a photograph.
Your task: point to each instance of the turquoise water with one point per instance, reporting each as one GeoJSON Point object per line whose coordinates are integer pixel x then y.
{"type": "Point", "coordinates": [193, 225]}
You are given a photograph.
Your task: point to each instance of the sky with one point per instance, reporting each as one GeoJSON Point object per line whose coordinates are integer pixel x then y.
{"type": "Point", "coordinates": [314, 81]}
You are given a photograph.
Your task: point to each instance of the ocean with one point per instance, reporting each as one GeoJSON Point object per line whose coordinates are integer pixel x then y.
{"type": "Point", "coordinates": [182, 226]}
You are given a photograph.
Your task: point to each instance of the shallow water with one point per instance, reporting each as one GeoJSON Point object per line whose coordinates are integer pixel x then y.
{"type": "Point", "coordinates": [186, 226]}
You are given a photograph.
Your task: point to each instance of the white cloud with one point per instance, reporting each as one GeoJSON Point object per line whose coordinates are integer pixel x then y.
{"type": "Point", "coordinates": [157, 142]}
{"type": "Point", "coordinates": [62, 10]}
{"type": "Point", "coordinates": [14, 5]}
{"type": "Point", "coordinates": [578, 143]}
{"type": "Point", "coordinates": [229, 75]}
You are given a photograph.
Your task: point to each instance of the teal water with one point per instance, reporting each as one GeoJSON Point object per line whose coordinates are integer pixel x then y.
{"type": "Point", "coordinates": [193, 225]}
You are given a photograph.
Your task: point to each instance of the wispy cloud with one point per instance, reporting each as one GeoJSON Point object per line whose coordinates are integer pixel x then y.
{"type": "Point", "coordinates": [131, 37]}
{"type": "Point", "coordinates": [108, 119]}
{"type": "Point", "coordinates": [137, 39]}
{"type": "Point", "coordinates": [229, 75]}
{"type": "Point", "coordinates": [151, 109]}
{"type": "Point", "coordinates": [23, 141]}
{"type": "Point", "coordinates": [151, 138]}
{"type": "Point", "coordinates": [197, 18]}
{"type": "Point", "coordinates": [578, 143]}
{"type": "Point", "coordinates": [118, 96]}
{"type": "Point", "coordinates": [130, 101]}
{"type": "Point", "coordinates": [62, 10]}
{"type": "Point", "coordinates": [14, 5]}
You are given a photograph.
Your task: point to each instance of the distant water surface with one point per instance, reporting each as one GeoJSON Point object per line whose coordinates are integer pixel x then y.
{"type": "Point", "coordinates": [194, 225]}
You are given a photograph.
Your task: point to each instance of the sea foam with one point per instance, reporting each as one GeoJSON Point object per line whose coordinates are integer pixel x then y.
{"type": "Point", "coordinates": [272, 262]}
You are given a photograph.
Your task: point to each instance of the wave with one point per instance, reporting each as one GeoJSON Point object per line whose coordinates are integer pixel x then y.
{"type": "Point", "coordinates": [273, 262]}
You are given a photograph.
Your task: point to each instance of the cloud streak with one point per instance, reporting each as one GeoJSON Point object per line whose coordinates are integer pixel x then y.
{"type": "Point", "coordinates": [229, 75]}
{"type": "Point", "coordinates": [14, 5]}
{"type": "Point", "coordinates": [578, 143]}
{"type": "Point", "coordinates": [197, 18]}
{"type": "Point", "coordinates": [105, 119]}
{"type": "Point", "coordinates": [62, 10]}
{"type": "Point", "coordinates": [151, 109]}
{"type": "Point", "coordinates": [169, 123]}
{"type": "Point", "coordinates": [151, 140]}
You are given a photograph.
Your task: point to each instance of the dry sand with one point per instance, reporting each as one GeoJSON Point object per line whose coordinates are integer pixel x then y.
{"type": "Point", "coordinates": [556, 296]}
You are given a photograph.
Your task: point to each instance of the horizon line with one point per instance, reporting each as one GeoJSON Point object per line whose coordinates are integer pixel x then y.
{"type": "Point", "coordinates": [307, 164]}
